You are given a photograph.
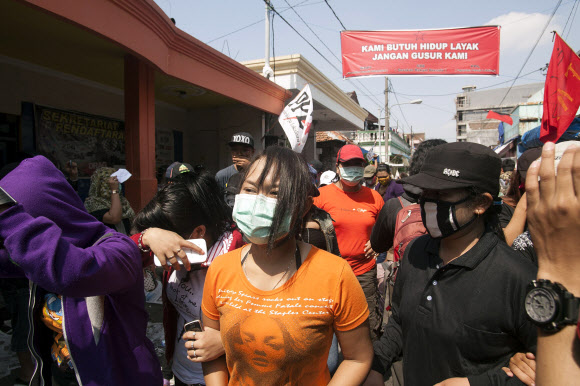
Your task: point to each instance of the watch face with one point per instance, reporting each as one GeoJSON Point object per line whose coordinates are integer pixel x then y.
{"type": "Point", "coordinates": [540, 305]}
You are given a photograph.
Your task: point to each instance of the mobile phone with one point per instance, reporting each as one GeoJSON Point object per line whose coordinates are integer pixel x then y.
{"type": "Point", "coordinates": [193, 257]}
{"type": "Point", "coordinates": [193, 326]}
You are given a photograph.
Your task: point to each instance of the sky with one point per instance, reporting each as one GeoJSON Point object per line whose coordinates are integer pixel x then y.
{"type": "Point", "coordinates": [237, 28]}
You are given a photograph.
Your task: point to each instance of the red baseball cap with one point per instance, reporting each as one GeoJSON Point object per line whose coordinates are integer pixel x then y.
{"type": "Point", "coordinates": [348, 152]}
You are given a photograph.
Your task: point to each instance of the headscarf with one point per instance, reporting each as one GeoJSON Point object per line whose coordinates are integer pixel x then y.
{"type": "Point", "coordinates": [100, 194]}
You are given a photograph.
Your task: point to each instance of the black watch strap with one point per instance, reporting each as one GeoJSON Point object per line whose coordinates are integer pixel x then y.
{"type": "Point", "coordinates": [5, 198]}
{"type": "Point", "coordinates": [571, 308]}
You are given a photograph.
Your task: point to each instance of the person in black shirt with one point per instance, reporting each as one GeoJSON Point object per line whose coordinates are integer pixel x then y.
{"type": "Point", "coordinates": [458, 303]}
{"type": "Point", "coordinates": [384, 229]}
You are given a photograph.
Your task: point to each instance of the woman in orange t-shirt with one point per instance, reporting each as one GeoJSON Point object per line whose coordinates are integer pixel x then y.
{"type": "Point", "coordinates": [354, 209]}
{"type": "Point", "coordinates": [277, 301]}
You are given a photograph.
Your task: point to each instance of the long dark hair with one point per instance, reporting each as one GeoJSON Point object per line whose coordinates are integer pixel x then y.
{"type": "Point", "coordinates": [295, 186]}
{"type": "Point", "coordinates": [192, 200]}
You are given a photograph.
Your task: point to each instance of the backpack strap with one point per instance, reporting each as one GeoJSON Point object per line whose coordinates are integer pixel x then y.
{"type": "Point", "coordinates": [404, 202]}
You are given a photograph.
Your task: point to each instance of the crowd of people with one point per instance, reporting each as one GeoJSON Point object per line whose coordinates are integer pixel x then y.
{"type": "Point", "coordinates": [462, 272]}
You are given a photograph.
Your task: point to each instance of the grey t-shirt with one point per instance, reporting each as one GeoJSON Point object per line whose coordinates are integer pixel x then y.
{"type": "Point", "coordinates": [223, 176]}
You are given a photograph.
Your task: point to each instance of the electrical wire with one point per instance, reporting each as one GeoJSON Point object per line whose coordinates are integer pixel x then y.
{"type": "Point", "coordinates": [257, 22]}
{"type": "Point", "coordinates": [569, 16]}
{"type": "Point", "coordinates": [314, 33]}
{"type": "Point", "coordinates": [531, 51]}
{"type": "Point", "coordinates": [299, 34]}
{"type": "Point", "coordinates": [335, 15]}
{"type": "Point", "coordinates": [573, 17]}
{"type": "Point", "coordinates": [311, 45]}
{"type": "Point", "coordinates": [324, 44]}
{"type": "Point", "coordinates": [399, 103]}
{"type": "Point", "coordinates": [455, 93]}
{"type": "Point", "coordinates": [233, 32]}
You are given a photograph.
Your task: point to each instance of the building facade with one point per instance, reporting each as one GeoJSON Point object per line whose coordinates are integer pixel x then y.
{"type": "Point", "coordinates": [82, 80]}
{"type": "Point", "coordinates": [472, 107]}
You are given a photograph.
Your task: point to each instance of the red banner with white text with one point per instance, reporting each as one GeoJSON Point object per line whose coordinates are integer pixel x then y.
{"type": "Point", "coordinates": [458, 51]}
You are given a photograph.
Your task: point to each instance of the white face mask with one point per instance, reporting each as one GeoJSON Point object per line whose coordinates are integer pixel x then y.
{"type": "Point", "coordinates": [254, 213]}
{"type": "Point", "coordinates": [351, 174]}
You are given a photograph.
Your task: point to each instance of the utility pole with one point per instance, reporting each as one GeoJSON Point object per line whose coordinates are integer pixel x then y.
{"type": "Point", "coordinates": [379, 133]}
{"type": "Point", "coordinates": [267, 70]}
{"type": "Point", "coordinates": [412, 144]}
{"type": "Point", "coordinates": [387, 117]}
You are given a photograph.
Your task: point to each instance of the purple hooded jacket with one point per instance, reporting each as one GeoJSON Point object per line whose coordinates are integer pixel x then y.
{"type": "Point", "coordinates": [50, 239]}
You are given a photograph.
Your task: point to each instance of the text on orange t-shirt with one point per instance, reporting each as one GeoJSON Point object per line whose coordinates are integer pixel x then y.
{"type": "Point", "coordinates": [282, 336]}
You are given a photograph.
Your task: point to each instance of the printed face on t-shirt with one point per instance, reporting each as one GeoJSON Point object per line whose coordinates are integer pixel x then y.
{"type": "Point", "coordinates": [262, 343]}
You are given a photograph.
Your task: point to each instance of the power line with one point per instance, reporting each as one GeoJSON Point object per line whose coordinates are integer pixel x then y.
{"type": "Point", "coordinates": [310, 44]}
{"type": "Point", "coordinates": [399, 103]}
{"type": "Point", "coordinates": [531, 51]}
{"type": "Point", "coordinates": [343, 27]}
{"type": "Point", "coordinates": [299, 34]}
{"type": "Point", "coordinates": [455, 93]}
{"type": "Point", "coordinates": [569, 15]}
{"type": "Point", "coordinates": [233, 32]}
{"type": "Point", "coordinates": [314, 33]}
{"type": "Point", "coordinates": [256, 22]}
{"type": "Point", "coordinates": [573, 17]}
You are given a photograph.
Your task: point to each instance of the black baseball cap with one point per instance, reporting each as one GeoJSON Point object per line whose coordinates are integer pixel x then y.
{"type": "Point", "coordinates": [242, 138]}
{"type": "Point", "coordinates": [317, 165]}
{"type": "Point", "coordinates": [177, 168]}
{"type": "Point", "coordinates": [458, 165]}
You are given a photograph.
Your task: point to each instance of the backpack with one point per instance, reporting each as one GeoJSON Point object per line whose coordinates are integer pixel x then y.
{"type": "Point", "coordinates": [408, 227]}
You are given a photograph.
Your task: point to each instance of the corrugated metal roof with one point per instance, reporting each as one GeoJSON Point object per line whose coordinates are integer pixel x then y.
{"type": "Point", "coordinates": [491, 98]}
{"type": "Point", "coordinates": [324, 136]}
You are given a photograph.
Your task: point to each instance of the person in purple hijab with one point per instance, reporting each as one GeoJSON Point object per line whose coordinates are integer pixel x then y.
{"type": "Point", "coordinates": [86, 279]}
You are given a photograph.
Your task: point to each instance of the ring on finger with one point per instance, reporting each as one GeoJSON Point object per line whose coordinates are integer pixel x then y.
{"type": "Point", "coordinates": [194, 356]}
{"type": "Point", "coordinates": [192, 345]}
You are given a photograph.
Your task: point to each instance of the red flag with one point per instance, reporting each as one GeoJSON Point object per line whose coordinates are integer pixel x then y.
{"type": "Point", "coordinates": [561, 92]}
{"type": "Point", "coordinates": [504, 118]}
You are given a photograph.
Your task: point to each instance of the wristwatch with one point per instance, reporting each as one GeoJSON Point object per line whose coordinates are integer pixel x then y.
{"type": "Point", "coordinates": [114, 191]}
{"type": "Point", "coordinates": [5, 198]}
{"type": "Point", "coordinates": [550, 306]}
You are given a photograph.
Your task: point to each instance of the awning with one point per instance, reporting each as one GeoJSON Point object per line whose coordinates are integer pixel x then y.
{"type": "Point", "coordinates": [506, 147]}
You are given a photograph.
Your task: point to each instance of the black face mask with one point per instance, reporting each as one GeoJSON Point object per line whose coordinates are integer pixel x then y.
{"type": "Point", "coordinates": [439, 217]}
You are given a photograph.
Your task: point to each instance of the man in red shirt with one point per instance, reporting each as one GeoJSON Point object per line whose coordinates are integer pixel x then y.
{"type": "Point", "coordinates": [354, 209]}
